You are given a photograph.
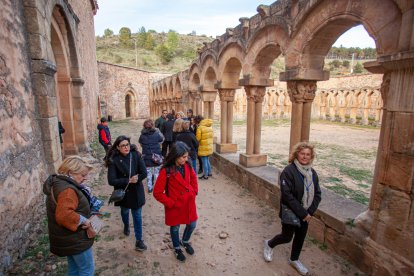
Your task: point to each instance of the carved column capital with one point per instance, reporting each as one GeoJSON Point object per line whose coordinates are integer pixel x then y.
{"type": "Point", "coordinates": [301, 90]}
{"type": "Point", "coordinates": [226, 95]}
{"type": "Point", "coordinates": [255, 93]}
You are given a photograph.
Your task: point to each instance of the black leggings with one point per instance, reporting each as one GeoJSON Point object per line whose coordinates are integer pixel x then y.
{"type": "Point", "coordinates": [286, 236]}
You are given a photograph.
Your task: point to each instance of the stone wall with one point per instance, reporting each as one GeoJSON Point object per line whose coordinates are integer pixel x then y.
{"type": "Point", "coordinates": [117, 82]}
{"type": "Point", "coordinates": [32, 85]}
{"type": "Point", "coordinates": [22, 165]}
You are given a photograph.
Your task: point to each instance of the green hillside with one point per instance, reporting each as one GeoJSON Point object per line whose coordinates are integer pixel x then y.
{"type": "Point", "coordinates": [172, 52]}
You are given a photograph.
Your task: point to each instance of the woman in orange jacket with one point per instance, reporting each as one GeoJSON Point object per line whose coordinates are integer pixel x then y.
{"type": "Point", "coordinates": [177, 188]}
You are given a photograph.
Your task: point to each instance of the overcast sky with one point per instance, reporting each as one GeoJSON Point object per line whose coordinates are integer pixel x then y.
{"type": "Point", "coordinates": [210, 17]}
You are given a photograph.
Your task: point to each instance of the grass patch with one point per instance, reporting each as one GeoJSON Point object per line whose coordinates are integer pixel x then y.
{"type": "Point", "coordinates": [333, 179]}
{"type": "Point", "coordinates": [108, 238]}
{"type": "Point", "coordinates": [357, 196]}
{"type": "Point", "coordinates": [322, 246]}
{"type": "Point", "coordinates": [356, 174]}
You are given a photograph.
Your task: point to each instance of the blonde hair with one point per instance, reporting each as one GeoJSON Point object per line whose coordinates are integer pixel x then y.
{"type": "Point", "coordinates": [181, 114]}
{"type": "Point", "coordinates": [298, 148]}
{"type": "Point", "coordinates": [178, 125]}
{"type": "Point", "coordinates": [74, 164]}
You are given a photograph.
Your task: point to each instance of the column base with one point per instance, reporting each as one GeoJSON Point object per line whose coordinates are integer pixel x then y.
{"type": "Point", "coordinates": [226, 148]}
{"type": "Point", "coordinates": [252, 160]}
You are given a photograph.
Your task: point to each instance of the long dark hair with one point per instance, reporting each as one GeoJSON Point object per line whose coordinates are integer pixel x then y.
{"type": "Point", "coordinates": [114, 149]}
{"type": "Point", "coordinates": [177, 150]}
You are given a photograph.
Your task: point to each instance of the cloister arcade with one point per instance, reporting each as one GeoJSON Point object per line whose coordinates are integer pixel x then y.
{"type": "Point", "coordinates": [303, 32]}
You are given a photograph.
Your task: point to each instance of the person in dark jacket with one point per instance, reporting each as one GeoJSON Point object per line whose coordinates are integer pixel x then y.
{"type": "Point", "coordinates": [197, 119]}
{"type": "Point", "coordinates": [176, 188]}
{"type": "Point", "coordinates": [126, 170]}
{"type": "Point", "coordinates": [104, 135]}
{"type": "Point", "coordinates": [159, 123]}
{"type": "Point", "coordinates": [150, 141]}
{"type": "Point", "coordinates": [61, 131]}
{"type": "Point", "coordinates": [68, 211]}
{"type": "Point", "coordinates": [301, 193]}
{"type": "Point", "coordinates": [167, 131]}
{"type": "Point", "coordinates": [188, 137]}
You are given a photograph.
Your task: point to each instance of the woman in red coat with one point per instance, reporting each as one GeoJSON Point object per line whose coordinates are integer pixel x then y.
{"type": "Point", "coordinates": [177, 188]}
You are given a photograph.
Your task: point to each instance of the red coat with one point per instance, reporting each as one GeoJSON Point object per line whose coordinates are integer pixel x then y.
{"type": "Point", "coordinates": [180, 204]}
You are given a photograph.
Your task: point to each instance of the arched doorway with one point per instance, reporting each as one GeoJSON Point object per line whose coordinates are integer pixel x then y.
{"type": "Point", "coordinates": [128, 103]}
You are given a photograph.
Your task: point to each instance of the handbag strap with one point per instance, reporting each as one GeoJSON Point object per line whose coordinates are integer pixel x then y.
{"type": "Point", "coordinates": [168, 177]}
{"type": "Point", "coordinates": [129, 175]}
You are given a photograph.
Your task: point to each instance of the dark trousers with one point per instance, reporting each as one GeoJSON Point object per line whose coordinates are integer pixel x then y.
{"type": "Point", "coordinates": [106, 148]}
{"type": "Point", "coordinates": [286, 236]}
{"type": "Point", "coordinates": [166, 147]}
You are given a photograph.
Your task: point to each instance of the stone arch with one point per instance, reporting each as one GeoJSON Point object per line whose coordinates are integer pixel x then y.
{"type": "Point", "coordinates": [209, 73]}
{"type": "Point", "coordinates": [262, 49]}
{"type": "Point", "coordinates": [230, 65]}
{"type": "Point", "coordinates": [194, 79]}
{"type": "Point", "coordinates": [324, 21]}
{"type": "Point", "coordinates": [59, 94]}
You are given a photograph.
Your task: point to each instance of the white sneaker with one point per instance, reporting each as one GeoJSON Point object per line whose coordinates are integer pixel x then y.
{"type": "Point", "coordinates": [267, 252]}
{"type": "Point", "coordinates": [299, 267]}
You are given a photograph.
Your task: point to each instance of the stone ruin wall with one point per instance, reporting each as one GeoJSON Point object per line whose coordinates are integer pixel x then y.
{"type": "Point", "coordinates": [21, 152]}
{"type": "Point", "coordinates": [116, 82]}
{"type": "Point", "coordinates": [23, 147]}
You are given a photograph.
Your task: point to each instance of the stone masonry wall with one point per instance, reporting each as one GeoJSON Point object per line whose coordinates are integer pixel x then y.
{"type": "Point", "coordinates": [22, 166]}
{"type": "Point", "coordinates": [87, 61]}
{"type": "Point", "coordinates": [115, 82]}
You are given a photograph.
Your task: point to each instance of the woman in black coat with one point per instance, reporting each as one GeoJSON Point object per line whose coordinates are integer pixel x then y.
{"type": "Point", "coordinates": [300, 192]}
{"type": "Point", "coordinates": [167, 131]}
{"type": "Point", "coordinates": [188, 137]}
{"type": "Point", "coordinates": [126, 169]}
{"type": "Point", "coordinates": [150, 141]}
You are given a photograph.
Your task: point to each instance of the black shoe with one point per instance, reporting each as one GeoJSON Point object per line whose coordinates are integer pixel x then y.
{"type": "Point", "coordinates": [179, 255]}
{"type": "Point", "coordinates": [140, 246]}
{"type": "Point", "coordinates": [200, 171]}
{"type": "Point", "coordinates": [188, 248]}
{"type": "Point", "coordinates": [203, 177]}
{"type": "Point", "coordinates": [126, 230]}
{"type": "Point", "coordinates": [210, 174]}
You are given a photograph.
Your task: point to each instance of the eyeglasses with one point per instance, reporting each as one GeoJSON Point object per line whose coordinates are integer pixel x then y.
{"type": "Point", "coordinates": [124, 146]}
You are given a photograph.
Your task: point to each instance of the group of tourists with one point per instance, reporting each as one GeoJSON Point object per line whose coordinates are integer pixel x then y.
{"type": "Point", "coordinates": [171, 147]}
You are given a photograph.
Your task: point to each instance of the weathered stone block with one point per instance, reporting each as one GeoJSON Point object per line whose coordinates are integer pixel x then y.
{"type": "Point", "coordinates": [49, 127]}
{"type": "Point", "coordinates": [403, 133]}
{"type": "Point", "coordinates": [43, 85]}
{"type": "Point", "coordinates": [47, 106]}
{"type": "Point", "coordinates": [253, 160]}
{"type": "Point", "coordinates": [37, 46]}
{"type": "Point", "coordinates": [317, 229]}
{"type": "Point", "coordinates": [399, 172]}
{"type": "Point", "coordinates": [226, 148]}
{"type": "Point", "coordinates": [394, 208]}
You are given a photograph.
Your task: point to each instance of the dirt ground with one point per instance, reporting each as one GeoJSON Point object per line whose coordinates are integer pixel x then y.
{"type": "Point", "coordinates": [223, 207]}
{"type": "Point", "coordinates": [345, 158]}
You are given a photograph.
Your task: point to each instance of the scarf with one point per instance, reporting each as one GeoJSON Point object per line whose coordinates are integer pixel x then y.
{"type": "Point", "coordinates": [309, 191]}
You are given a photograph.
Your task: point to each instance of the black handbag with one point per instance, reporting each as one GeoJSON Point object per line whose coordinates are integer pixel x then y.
{"type": "Point", "coordinates": [119, 194]}
{"type": "Point", "coordinates": [289, 217]}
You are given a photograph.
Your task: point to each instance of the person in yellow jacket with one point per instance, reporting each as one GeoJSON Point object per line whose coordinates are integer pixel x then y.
{"type": "Point", "coordinates": [204, 137]}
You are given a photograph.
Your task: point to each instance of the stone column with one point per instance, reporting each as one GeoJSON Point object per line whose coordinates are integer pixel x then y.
{"type": "Point", "coordinates": [209, 98]}
{"type": "Point", "coordinates": [252, 157]}
{"type": "Point", "coordinates": [226, 126]}
{"type": "Point", "coordinates": [301, 93]}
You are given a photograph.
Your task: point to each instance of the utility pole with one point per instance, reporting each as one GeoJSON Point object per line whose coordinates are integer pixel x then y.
{"type": "Point", "coordinates": [352, 63]}
{"type": "Point", "coordinates": [136, 53]}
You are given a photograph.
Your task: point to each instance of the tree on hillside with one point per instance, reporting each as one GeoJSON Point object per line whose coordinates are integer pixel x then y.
{"type": "Point", "coordinates": [149, 42]}
{"type": "Point", "coordinates": [358, 68]}
{"type": "Point", "coordinates": [125, 36]}
{"type": "Point", "coordinates": [172, 40]}
{"type": "Point", "coordinates": [164, 53]}
{"type": "Point", "coordinates": [108, 32]}
{"type": "Point", "coordinates": [142, 37]}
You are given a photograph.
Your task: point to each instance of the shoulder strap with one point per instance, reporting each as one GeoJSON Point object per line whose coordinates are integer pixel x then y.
{"type": "Point", "coordinates": [168, 177]}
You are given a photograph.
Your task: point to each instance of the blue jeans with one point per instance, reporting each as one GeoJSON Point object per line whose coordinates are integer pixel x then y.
{"type": "Point", "coordinates": [137, 219]}
{"type": "Point", "coordinates": [152, 171]}
{"type": "Point", "coordinates": [81, 264]}
{"type": "Point", "coordinates": [194, 164]}
{"type": "Point", "coordinates": [206, 165]}
{"type": "Point", "coordinates": [175, 233]}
